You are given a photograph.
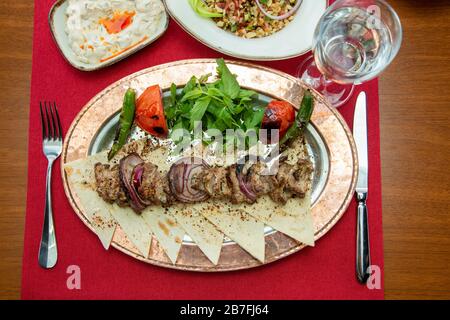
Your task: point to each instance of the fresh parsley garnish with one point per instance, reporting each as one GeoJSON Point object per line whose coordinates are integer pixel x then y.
{"type": "Point", "coordinates": [219, 105]}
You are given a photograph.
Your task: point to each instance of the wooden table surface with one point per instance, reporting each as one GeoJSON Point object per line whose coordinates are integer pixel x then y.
{"type": "Point", "coordinates": [415, 149]}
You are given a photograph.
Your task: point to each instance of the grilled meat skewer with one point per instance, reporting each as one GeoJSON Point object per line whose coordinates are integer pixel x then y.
{"type": "Point", "coordinates": [150, 186]}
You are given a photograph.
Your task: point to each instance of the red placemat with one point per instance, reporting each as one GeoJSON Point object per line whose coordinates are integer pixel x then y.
{"type": "Point", "coordinates": [324, 272]}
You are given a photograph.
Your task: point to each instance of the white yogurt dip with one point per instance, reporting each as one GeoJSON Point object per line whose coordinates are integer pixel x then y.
{"type": "Point", "coordinates": [99, 30]}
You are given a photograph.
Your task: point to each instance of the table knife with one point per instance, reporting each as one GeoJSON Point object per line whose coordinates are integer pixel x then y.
{"type": "Point", "coordinates": [362, 230]}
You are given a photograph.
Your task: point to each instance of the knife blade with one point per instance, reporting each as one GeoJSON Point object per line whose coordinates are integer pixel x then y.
{"type": "Point", "coordinates": [362, 230]}
{"type": "Point", "coordinates": [360, 136]}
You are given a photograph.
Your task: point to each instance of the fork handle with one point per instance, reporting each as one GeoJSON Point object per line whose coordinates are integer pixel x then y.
{"type": "Point", "coordinates": [362, 240]}
{"type": "Point", "coordinates": [48, 252]}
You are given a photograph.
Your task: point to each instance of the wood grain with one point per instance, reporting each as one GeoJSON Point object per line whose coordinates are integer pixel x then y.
{"type": "Point", "coordinates": [415, 135]}
{"type": "Point", "coordinates": [415, 141]}
{"type": "Point", "coordinates": [16, 25]}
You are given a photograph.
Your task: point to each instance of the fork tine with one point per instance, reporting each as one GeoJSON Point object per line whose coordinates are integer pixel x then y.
{"type": "Point", "coordinates": [49, 124]}
{"type": "Point", "coordinates": [42, 121]}
{"type": "Point", "coordinates": [58, 121]}
{"type": "Point", "coordinates": [55, 131]}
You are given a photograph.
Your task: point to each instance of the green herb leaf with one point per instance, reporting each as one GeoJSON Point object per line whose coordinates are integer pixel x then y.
{"type": "Point", "coordinates": [219, 105]}
{"type": "Point", "coordinates": [247, 94]}
{"type": "Point", "coordinates": [191, 95]}
{"type": "Point", "coordinates": [189, 85]}
{"type": "Point", "coordinates": [198, 110]}
{"type": "Point", "coordinates": [253, 117]}
{"type": "Point", "coordinates": [230, 84]}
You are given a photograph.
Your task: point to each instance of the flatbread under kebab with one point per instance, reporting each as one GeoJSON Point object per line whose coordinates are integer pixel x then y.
{"type": "Point", "coordinates": [103, 216]}
{"type": "Point", "coordinates": [80, 175]}
{"type": "Point", "coordinates": [205, 222]}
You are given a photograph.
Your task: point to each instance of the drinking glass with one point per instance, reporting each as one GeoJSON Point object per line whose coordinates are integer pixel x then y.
{"type": "Point", "coordinates": [354, 41]}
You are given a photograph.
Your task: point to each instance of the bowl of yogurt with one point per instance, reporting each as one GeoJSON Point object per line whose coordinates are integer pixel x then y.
{"type": "Point", "coordinates": [92, 34]}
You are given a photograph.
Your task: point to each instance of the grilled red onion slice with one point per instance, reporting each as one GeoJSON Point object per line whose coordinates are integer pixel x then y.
{"type": "Point", "coordinates": [180, 180]}
{"type": "Point", "coordinates": [126, 169]}
{"type": "Point", "coordinates": [136, 181]}
{"type": "Point", "coordinates": [245, 187]}
{"type": "Point", "coordinates": [176, 178]}
{"type": "Point", "coordinates": [136, 178]}
{"type": "Point", "coordinates": [190, 172]}
{"type": "Point", "coordinates": [282, 17]}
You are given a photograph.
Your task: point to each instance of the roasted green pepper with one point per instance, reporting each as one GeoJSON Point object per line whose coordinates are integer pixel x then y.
{"type": "Point", "coordinates": [125, 122]}
{"type": "Point", "coordinates": [302, 118]}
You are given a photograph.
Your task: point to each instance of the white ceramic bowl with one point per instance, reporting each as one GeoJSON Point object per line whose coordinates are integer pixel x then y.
{"type": "Point", "coordinates": [293, 40]}
{"type": "Point", "coordinates": [57, 19]}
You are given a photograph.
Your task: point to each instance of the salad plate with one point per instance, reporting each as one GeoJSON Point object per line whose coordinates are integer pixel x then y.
{"type": "Point", "coordinates": [291, 41]}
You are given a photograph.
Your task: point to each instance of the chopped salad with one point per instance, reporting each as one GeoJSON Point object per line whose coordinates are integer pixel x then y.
{"type": "Point", "coordinates": [248, 18]}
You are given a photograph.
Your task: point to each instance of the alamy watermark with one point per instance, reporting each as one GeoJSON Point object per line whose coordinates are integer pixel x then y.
{"type": "Point", "coordinates": [73, 281]}
{"type": "Point", "coordinates": [235, 145]}
{"type": "Point", "coordinates": [374, 19]}
{"type": "Point", "coordinates": [374, 280]}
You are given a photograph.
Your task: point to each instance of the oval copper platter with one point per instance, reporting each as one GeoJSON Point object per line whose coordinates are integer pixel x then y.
{"type": "Point", "coordinates": [328, 207]}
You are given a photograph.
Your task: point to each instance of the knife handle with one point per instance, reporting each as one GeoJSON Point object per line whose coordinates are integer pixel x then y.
{"type": "Point", "coordinates": [362, 240]}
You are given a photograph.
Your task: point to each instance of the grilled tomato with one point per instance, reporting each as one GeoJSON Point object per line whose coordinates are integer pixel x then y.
{"type": "Point", "coordinates": [278, 115]}
{"type": "Point", "coordinates": [150, 112]}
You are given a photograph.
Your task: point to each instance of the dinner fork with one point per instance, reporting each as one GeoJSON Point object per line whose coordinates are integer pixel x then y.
{"type": "Point", "coordinates": [52, 147]}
